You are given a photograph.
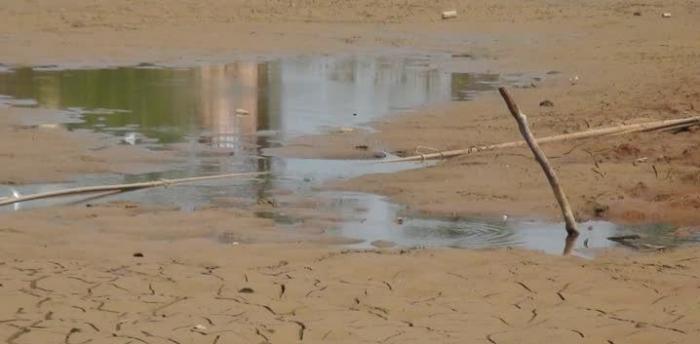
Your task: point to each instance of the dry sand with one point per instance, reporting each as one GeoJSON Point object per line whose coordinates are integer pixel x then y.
{"type": "Point", "coordinates": [69, 274]}
{"type": "Point", "coordinates": [63, 279]}
{"type": "Point", "coordinates": [188, 291]}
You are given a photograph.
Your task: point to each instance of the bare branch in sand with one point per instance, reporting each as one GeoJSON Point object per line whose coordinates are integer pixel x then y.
{"type": "Point", "coordinates": [541, 158]}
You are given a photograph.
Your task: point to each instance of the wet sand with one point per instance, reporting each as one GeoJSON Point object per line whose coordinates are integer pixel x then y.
{"type": "Point", "coordinates": [69, 274]}
{"type": "Point", "coordinates": [34, 151]}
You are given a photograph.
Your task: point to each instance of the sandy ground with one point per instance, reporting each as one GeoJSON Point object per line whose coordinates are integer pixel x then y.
{"type": "Point", "coordinates": [70, 275]}
{"type": "Point", "coordinates": [74, 287]}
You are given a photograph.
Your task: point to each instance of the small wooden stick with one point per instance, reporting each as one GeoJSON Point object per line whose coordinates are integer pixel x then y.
{"type": "Point", "coordinates": [95, 196]}
{"type": "Point", "coordinates": [541, 158]}
{"type": "Point", "coordinates": [598, 132]}
{"type": "Point", "coordinates": [121, 187]}
{"type": "Point", "coordinates": [569, 244]}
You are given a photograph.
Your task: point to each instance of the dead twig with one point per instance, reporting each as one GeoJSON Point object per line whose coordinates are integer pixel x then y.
{"type": "Point", "coordinates": [598, 132]}
{"type": "Point", "coordinates": [541, 158]}
{"type": "Point", "coordinates": [119, 188]}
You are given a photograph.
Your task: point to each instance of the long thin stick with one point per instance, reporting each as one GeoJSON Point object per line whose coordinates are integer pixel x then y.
{"type": "Point", "coordinates": [617, 130]}
{"type": "Point", "coordinates": [544, 163]}
{"type": "Point", "coordinates": [122, 187]}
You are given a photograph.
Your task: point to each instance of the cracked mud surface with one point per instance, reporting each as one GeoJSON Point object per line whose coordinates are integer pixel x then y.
{"type": "Point", "coordinates": [74, 279]}
{"type": "Point", "coordinates": [273, 294]}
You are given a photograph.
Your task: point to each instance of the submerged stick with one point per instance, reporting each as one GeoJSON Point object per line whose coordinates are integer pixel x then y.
{"type": "Point", "coordinates": [118, 188]}
{"type": "Point", "coordinates": [541, 158]}
{"type": "Point", "coordinates": [616, 130]}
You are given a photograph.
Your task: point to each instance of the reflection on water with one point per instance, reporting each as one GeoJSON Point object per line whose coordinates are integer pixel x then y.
{"type": "Point", "coordinates": [219, 117]}
{"type": "Point", "coordinates": [293, 96]}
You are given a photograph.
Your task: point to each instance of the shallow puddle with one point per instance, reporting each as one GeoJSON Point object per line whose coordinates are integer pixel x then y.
{"type": "Point", "coordinates": [232, 103]}
{"type": "Point", "coordinates": [220, 117]}
{"type": "Point", "coordinates": [382, 222]}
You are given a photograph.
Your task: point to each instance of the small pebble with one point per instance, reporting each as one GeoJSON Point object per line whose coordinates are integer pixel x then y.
{"type": "Point", "coordinates": [546, 103]}
{"type": "Point", "coordinates": [246, 290]}
{"type": "Point", "coordinates": [138, 255]}
{"type": "Point", "coordinates": [637, 14]}
{"type": "Point", "coordinates": [666, 15]}
{"type": "Point", "coordinates": [600, 209]}
{"type": "Point", "coordinates": [449, 14]}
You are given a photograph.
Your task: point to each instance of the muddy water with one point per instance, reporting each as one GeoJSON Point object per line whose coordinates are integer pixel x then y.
{"type": "Point", "coordinates": [220, 117]}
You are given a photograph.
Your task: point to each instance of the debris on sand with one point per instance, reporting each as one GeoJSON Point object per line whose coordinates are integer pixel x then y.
{"type": "Point", "coordinates": [449, 14]}
{"type": "Point", "coordinates": [199, 328]}
{"type": "Point", "coordinates": [129, 138]}
{"type": "Point", "coordinates": [574, 79]}
{"type": "Point", "coordinates": [600, 209]}
{"type": "Point", "coordinates": [626, 240]}
{"type": "Point", "coordinates": [546, 103]}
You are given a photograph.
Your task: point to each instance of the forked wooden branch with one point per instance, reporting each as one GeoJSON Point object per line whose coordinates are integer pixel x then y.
{"type": "Point", "coordinates": [119, 188]}
{"type": "Point", "coordinates": [541, 158]}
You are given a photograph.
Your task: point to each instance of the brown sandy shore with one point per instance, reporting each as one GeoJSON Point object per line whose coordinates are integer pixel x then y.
{"type": "Point", "coordinates": [69, 275]}
{"type": "Point", "coordinates": [292, 294]}
{"type": "Point", "coordinates": [74, 275]}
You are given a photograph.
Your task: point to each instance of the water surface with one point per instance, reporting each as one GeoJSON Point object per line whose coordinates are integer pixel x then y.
{"type": "Point", "coordinates": [219, 117]}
